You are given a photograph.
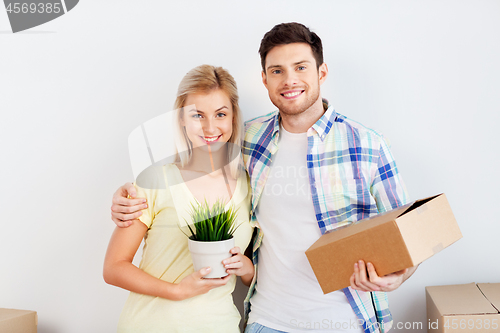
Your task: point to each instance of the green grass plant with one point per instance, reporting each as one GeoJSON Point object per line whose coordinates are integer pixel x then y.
{"type": "Point", "coordinates": [211, 224]}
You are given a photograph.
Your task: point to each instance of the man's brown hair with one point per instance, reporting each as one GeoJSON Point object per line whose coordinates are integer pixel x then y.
{"type": "Point", "coordinates": [287, 33]}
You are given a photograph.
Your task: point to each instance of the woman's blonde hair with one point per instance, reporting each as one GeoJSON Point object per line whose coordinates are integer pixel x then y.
{"type": "Point", "coordinates": [204, 79]}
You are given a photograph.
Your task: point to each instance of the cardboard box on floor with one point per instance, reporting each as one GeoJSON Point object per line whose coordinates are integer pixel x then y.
{"type": "Point", "coordinates": [464, 308]}
{"type": "Point", "coordinates": [392, 241]}
{"type": "Point", "coordinates": [18, 321]}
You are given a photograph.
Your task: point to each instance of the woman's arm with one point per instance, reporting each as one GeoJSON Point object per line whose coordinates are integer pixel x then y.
{"type": "Point", "coordinates": [119, 270]}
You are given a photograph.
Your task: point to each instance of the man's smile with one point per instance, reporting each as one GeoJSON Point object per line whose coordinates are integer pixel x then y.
{"type": "Point", "coordinates": [292, 94]}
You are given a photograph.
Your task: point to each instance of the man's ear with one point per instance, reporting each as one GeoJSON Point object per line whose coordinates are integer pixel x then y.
{"type": "Point", "coordinates": [264, 79]}
{"type": "Point", "coordinates": [322, 72]}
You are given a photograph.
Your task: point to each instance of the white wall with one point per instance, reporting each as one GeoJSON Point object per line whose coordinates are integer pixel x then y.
{"type": "Point", "coordinates": [424, 73]}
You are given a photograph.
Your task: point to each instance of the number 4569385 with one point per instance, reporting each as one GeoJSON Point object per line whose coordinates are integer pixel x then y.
{"type": "Point", "coordinates": [41, 7]}
{"type": "Point", "coordinates": [477, 324]}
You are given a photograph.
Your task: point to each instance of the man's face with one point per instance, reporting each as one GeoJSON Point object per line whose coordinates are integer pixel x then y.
{"type": "Point", "coordinates": [292, 79]}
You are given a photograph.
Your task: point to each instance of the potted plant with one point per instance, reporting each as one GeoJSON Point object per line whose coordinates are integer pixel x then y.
{"type": "Point", "coordinates": [211, 236]}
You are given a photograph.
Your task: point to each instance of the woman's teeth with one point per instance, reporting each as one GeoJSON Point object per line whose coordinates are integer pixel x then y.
{"type": "Point", "coordinates": [212, 139]}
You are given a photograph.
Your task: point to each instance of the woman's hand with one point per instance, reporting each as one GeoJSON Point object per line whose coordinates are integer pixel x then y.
{"type": "Point", "coordinates": [194, 284]}
{"type": "Point", "coordinates": [239, 265]}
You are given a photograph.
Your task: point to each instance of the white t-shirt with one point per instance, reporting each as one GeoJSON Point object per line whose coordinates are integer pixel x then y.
{"type": "Point", "coordinates": [288, 296]}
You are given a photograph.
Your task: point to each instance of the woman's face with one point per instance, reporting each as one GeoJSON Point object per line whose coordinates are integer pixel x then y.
{"type": "Point", "coordinates": [208, 119]}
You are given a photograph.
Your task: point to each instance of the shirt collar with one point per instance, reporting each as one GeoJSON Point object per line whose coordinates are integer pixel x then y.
{"type": "Point", "coordinates": [325, 123]}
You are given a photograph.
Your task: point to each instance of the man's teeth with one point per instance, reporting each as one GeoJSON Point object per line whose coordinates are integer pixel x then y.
{"type": "Point", "coordinates": [210, 139]}
{"type": "Point", "coordinates": [292, 94]}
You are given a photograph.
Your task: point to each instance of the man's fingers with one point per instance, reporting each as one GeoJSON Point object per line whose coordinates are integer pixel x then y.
{"type": "Point", "coordinates": [126, 217]}
{"type": "Point", "coordinates": [122, 224]}
{"type": "Point", "coordinates": [358, 278]}
{"type": "Point", "coordinates": [126, 190]}
{"type": "Point", "coordinates": [401, 272]}
{"type": "Point", "coordinates": [123, 190]}
{"type": "Point", "coordinates": [353, 282]}
{"type": "Point", "coordinates": [365, 278]}
{"type": "Point", "coordinates": [127, 209]}
{"type": "Point", "coordinates": [362, 271]}
{"type": "Point", "coordinates": [364, 281]}
{"type": "Point", "coordinates": [356, 286]}
{"type": "Point", "coordinates": [372, 274]}
{"type": "Point", "coordinates": [130, 189]}
{"type": "Point", "coordinates": [121, 201]}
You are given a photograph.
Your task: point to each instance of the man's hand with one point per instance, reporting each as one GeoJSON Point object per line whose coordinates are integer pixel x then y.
{"type": "Point", "coordinates": [372, 282]}
{"type": "Point", "coordinates": [124, 210]}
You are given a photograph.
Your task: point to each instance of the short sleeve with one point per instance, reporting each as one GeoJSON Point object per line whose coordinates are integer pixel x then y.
{"type": "Point", "coordinates": [149, 185]}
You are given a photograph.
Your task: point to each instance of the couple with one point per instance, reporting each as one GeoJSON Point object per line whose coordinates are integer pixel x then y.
{"type": "Point", "coordinates": [310, 170]}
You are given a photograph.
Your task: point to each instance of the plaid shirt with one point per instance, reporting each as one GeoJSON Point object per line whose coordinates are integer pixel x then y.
{"type": "Point", "coordinates": [352, 176]}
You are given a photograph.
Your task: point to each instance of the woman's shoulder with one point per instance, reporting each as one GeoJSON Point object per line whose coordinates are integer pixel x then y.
{"type": "Point", "coordinates": [157, 177]}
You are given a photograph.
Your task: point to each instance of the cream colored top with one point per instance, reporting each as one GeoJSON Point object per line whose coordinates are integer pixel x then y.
{"type": "Point", "coordinates": [166, 256]}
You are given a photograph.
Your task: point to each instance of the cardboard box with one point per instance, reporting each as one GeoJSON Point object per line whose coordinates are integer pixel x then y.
{"type": "Point", "coordinates": [392, 241]}
{"type": "Point", "coordinates": [464, 308]}
{"type": "Point", "coordinates": [18, 321]}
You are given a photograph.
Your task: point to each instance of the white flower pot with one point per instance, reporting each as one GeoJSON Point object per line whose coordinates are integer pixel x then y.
{"type": "Point", "coordinates": [211, 254]}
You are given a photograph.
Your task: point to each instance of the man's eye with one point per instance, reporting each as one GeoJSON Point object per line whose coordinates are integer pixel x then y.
{"type": "Point", "coordinates": [301, 68]}
{"type": "Point", "coordinates": [277, 71]}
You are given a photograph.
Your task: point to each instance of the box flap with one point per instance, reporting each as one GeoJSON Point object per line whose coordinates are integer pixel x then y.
{"type": "Point", "coordinates": [492, 293]}
{"type": "Point", "coordinates": [462, 299]}
{"type": "Point", "coordinates": [418, 203]}
{"type": "Point", "coordinates": [428, 226]}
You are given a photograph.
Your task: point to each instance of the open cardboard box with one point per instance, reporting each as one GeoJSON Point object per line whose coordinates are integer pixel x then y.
{"type": "Point", "coordinates": [18, 321]}
{"type": "Point", "coordinates": [464, 308]}
{"type": "Point", "coordinates": [392, 241]}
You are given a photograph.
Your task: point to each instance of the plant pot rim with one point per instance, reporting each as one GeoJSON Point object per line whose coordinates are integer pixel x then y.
{"type": "Point", "coordinates": [197, 241]}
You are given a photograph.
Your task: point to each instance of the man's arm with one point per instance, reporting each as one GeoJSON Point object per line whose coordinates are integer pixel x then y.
{"type": "Point", "coordinates": [125, 210]}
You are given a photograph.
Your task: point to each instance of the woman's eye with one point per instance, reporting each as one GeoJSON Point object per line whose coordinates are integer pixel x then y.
{"type": "Point", "coordinates": [197, 116]}
{"type": "Point", "coordinates": [220, 115]}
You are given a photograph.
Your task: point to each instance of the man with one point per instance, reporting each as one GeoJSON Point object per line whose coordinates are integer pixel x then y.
{"type": "Point", "coordinates": [312, 171]}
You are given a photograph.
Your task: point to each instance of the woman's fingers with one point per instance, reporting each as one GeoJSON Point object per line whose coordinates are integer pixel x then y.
{"type": "Point", "coordinates": [235, 250]}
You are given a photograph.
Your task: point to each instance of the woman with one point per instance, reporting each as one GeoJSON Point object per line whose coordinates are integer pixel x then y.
{"type": "Point", "coordinates": [166, 294]}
